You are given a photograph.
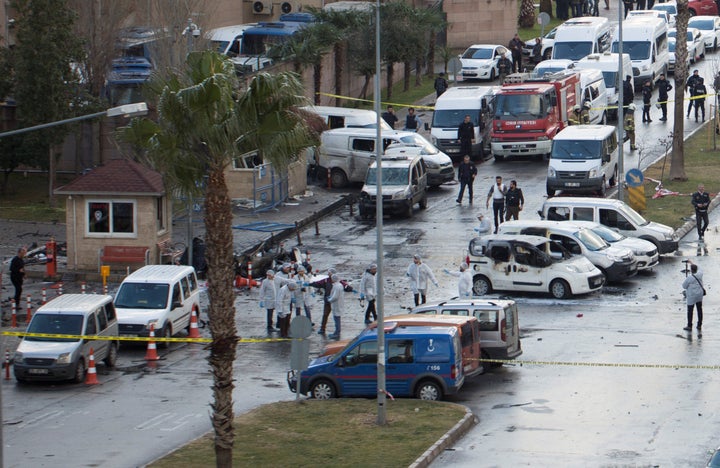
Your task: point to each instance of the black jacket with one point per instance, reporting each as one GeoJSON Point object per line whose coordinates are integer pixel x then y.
{"type": "Point", "coordinates": [700, 90]}
{"type": "Point", "coordinates": [628, 93]}
{"type": "Point", "coordinates": [692, 84]}
{"type": "Point", "coordinates": [514, 197]}
{"type": "Point", "coordinates": [700, 201]}
{"type": "Point", "coordinates": [646, 94]}
{"type": "Point", "coordinates": [466, 131]}
{"type": "Point", "coordinates": [466, 172]}
{"type": "Point", "coordinates": [16, 266]}
{"type": "Point", "coordinates": [663, 87]}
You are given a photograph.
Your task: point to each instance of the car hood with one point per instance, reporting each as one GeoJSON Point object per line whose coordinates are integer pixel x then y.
{"type": "Point", "coordinates": [660, 228]}
{"type": "Point", "coordinates": [46, 349]}
{"type": "Point", "coordinates": [440, 158]}
{"type": "Point", "coordinates": [476, 62]}
{"type": "Point", "coordinates": [321, 360]}
{"type": "Point", "coordinates": [386, 190]}
{"type": "Point", "coordinates": [638, 246]}
{"type": "Point", "coordinates": [620, 251]}
{"type": "Point", "coordinates": [581, 263]}
{"type": "Point", "coordinates": [136, 316]}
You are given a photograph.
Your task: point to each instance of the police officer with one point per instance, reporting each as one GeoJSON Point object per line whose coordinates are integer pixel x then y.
{"type": "Point", "coordinates": [691, 85]}
{"type": "Point", "coordinates": [646, 90]}
{"type": "Point", "coordinates": [663, 87]}
{"type": "Point", "coordinates": [628, 92]}
{"type": "Point", "coordinates": [700, 93]}
{"type": "Point", "coordinates": [630, 125]}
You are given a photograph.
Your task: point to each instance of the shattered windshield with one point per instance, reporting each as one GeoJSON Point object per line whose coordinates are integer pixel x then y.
{"type": "Point", "coordinates": [576, 149]}
{"type": "Point", "coordinates": [520, 106]}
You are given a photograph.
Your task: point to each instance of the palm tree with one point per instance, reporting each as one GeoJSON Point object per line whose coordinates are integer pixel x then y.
{"type": "Point", "coordinates": [526, 18]}
{"type": "Point", "coordinates": [434, 22]}
{"type": "Point", "coordinates": [203, 122]}
{"type": "Point", "coordinates": [677, 160]}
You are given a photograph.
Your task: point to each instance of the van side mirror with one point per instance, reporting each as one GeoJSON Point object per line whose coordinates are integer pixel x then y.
{"type": "Point", "coordinates": [176, 304]}
{"type": "Point", "coordinates": [427, 126]}
{"type": "Point", "coordinates": [606, 158]}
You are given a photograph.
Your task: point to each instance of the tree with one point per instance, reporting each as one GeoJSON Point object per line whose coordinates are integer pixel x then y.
{"type": "Point", "coordinates": [399, 40]}
{"type": "Point", "coordinates": [526, 18]}
{"type": "Point", "coordinates": [45, 84]}
{"type": "Point", "coordinates": [434, 22]}
{"type": "Point", "coordinates": [202, 124]}
{"type": "Point", "coordinates": [677, 160]}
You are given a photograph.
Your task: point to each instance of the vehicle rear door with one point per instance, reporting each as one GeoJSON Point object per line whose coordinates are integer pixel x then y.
{"type": "Point", "coordinates": [401, 366]}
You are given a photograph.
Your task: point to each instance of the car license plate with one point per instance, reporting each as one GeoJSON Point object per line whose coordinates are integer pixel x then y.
{"type": "Point", "coordinates": [37, 371]}
{"type": "Point", "coordinates": [453, 150]}
{"type": "Point", "coordinates": [572, 184]}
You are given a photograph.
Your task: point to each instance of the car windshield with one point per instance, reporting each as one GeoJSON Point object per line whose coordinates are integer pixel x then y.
{"type": "Point", "coordinates": [390, 176]}
{"type": "Point", "coordinates": [636, 50]}
{"type": "Point", "coordinates": [633, 216]}
{"type": "Point", "coordinates": [669, 8]}
{"type": "Point", "coordinates": [142, 296]}
{"type": "Point", "coordinates": [452, 118]}
{"type": "Point", "coordinates": [576, 149]}
{"type": "Point", "coordinates": [418, 140]}
{"type": "Point", "coordinates": [591, 240]}
{"type": "Point", "coordinates": [572, 50]}
{"type": "Point", "coordinates": [514, 106]}
{"type": "Point", "coordinates": [55, 324]}
{"type": "Point", "coordinates": [671, 46]}
{"type": "Point", "coordinates": [478, 53]}
{"type": "Point", "coordinates": [542, 71]}
{"type": "Point", "coordinates": [607, 234]}
{"type": "Point", "coordinates": [705, 25]}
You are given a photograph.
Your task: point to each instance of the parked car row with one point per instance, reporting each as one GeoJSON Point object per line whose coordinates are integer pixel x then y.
{"type": "Point", "coordinates": [429, 352]}
{"type": "Point", "coordinates": [159, 297]}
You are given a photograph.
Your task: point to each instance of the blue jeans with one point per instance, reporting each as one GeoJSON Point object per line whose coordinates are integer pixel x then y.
{"type": "Point", "coordinates": [337, 319]}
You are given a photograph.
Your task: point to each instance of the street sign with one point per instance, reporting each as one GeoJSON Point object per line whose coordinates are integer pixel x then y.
{"type": "Point", "coordinates": [634, 178]}
{"type": "Point", "coordinates": [300, 327]}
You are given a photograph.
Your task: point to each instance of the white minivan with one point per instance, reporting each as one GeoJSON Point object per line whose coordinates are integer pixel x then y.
{"type": "Point", "coordinates": [581, 36]}
{"type": "Point", "coordinates": [607, 63]}
{"type": "Point", "coordinates": [55, 358]}
{"type": "Point", "coordinates": [346, 117]}
{"type": "Point", "coordinates": [583, 158]}
{"type": "Point", "coordinates": [161, 296]}
{"type": "Point", "coordinates": [592, 88]}
{"type": "Point", "coordinates": [645, 39]}
{"type": "Point", "coordinates": [614, 214]}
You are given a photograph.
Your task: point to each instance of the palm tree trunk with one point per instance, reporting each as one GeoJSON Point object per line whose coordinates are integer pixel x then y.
{"type": "Point", "coordinates": [526, 19]}
{"type": "Point", "coordinates": [431, 56]}
{"type": "Point", "coordinates": [317, 81]}
{"type": "Point", "coordinates": [418, 72]}
{"type": "Point", "coordinates": [390, 73]}
{"type": "Point", "coordinates": [221, 312]}
{"type": "Point", "coordinates": [406, 77]}
{"type": "Point", "coordinates": [339, 61]}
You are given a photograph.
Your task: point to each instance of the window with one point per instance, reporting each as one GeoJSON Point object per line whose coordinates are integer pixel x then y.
{"type": "Point", "coordinates": [558, 213]}
{"type": "Point", "coordinates": [193, 282]}
{"type": "Point", "coordinates": [500, 253]}
{"type": "Point", "coordinates": [111, 218]}
{"type": "Point", "coordinates": [400, 351]}
{"type": "Point", "coordinates": [91, 327]}
{"type": "Point", "coordinates": [364, 353]}
{"type": "Point", "coordinates": [583, 214]}
{"type": "Point", "coordinates": [176, 294]}
{"type": "Point", "coordinates": [186, 288]}
{"type": "Point", "coordinates": [160, 213]}
{"type": "Point", "coordinates": [247, 161]}
{"type": "Point", "coordinates": [461, 312]}
{"type": "Point", "coordinates": [363, 144]}
{"type": "Point", "coordinates": [568, 243]}
{"type": "Point", "coordinates": [110, 311]}
{"type": "Point", "coordinates": [102, 318]}
{"type": "Point", "coordinates": [336, 121]}
{"type": "Point", "coordinates": [488, 319]}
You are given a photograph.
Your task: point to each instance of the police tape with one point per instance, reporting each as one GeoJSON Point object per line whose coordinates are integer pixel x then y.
{"type": "Point", "coordinates": [136, 338]}
{"type": "Point", "coordinates": [597, 364]}
{"type": "Point", "coordinates": [397, 104]}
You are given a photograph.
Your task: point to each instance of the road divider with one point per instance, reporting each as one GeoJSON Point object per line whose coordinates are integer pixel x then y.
{"type": "Point", "coordinates": [598, 364]}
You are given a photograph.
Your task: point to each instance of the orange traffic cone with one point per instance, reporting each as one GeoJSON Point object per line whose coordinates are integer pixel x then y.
{"type": "Point", "coordinates": [151, 354]}
{"type": "Point", "coordinates": [91, 377]}
{"type": "Point", "coordinates": [194, 332]}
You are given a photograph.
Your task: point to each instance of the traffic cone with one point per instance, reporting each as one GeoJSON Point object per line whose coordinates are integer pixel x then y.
{"type": "Point", "coordinates": [194, 332]}
{"type": "Point", "coordinates": [91, 378]}
{"type": "Point", "coordinates": [151, 354]}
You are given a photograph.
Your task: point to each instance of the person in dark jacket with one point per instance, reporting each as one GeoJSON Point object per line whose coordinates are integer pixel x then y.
{"type": "Point", "coordinates": [466, 135]}
{"type": "Point", "coordinates": [390, 117]}
{"type": "Point", "coordinates": [466, 175]}
{"type": "Point", "coordinates": [514, 201]}
{"type": "Point", "coordinates": [441, 84]}
{"type": "Point", "coordinates": [628, 93]}
{"type": "Point", "coordinates": [646, 91]}
{"type": "Point", "coordinates": [663, 86]}
{"type": "Point", "coordinates": [691, 85]}
{"type": "Point", "coordinates": [700, 93]}
{"type": "Point", "coordinates": [17, 273]}
{"type": "Point", "coordinates": [628, 4]}
{"type": "Point", "coordinates": [701, 201]}
{"type": "Point", "coordinates": [412, 121]}
{"type": "Point", "coordinates": [516, 48]}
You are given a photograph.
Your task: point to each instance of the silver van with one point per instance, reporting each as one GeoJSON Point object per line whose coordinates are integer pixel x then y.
{"type": "Point", "coordinates": [614, 214]}
{"type": "Point", "coordinates": [498, 321]}
{"type": "Point", "coordinates": [163, 296]}
{"type": "Point", "coordinates": [57, 358]}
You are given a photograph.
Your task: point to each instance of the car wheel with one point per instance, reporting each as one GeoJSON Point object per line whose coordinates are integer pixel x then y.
{"type": "Point", "coordinates": [692, 13]}
{"type": "Point", "coordinates": [79, 371]}
{"type": "Point", "coordinates": [338, 179]}
{"type": "Point", "coordinates": [613, 179]}
{"type": "Point", "coordinates": [715, 45]}
{"type": "Point", "coordinates": [112, 354]}
{"type": "Point", "coordinates": [499, 158]}
{"type": "Point", "coordinates": [322, 390]}
{"type": "Point", "coordinates": [492, 74]}
{"type": "Point", "coordinates": [428, 390]}
{"type": "Point", "coordinates": [548, 54]}
{"type": "Point", "coordinates": [423, 202]}
{"type": "Point", "coordinates": [488, 365]}
{"type": "Point", "coordinates": [560, 289]}
{"type": "Point", "coordinates": [166, 332]}
{"type": "Point", "coordinates": [481, 285]}
{"type": "Point", "coordinates": [550, 192]}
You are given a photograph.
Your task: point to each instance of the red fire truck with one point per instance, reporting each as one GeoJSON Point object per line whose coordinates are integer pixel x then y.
{"type": "Point", "coordinates": [530, 111]}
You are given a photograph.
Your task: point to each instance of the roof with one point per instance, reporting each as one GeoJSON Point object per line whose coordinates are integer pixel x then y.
{"type": "Point", "coordinates": [117, 176]}
{"type": "Point", "coordinates": [159, 274]}
{"type": "Point", "coordinates": [585, 132]}
{"type": "Point", "coordinates": [75, 303]}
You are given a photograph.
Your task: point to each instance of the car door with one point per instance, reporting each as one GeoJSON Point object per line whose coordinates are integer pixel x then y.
{"type": "Point", "coordinates": [357, 373]}
{"type": "Point", "coordinates": [400, 364]}
{"type": "Point", "coordinates": [362, 154]}
{"type": "Point", "coordinates": [501, 266]}
{"type": "Point", "coordinates": [527, 272]}
{"type": "Point", "coordinates": [98, 346]}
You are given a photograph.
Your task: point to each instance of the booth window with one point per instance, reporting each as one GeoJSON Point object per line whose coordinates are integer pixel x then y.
{"type": "Point", "coordinates": [111, 218]}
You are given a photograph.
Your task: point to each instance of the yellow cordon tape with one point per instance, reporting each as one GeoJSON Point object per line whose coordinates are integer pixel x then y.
{"type": "Point", "coordinates": [397, 104]}
{"type": "Point", "coordinates": [138, 338]}
{"type": "Point", "coordinates": [597, 364]}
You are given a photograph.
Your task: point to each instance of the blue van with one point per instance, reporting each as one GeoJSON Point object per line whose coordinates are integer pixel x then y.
{"type": "Point", "coordinates": [422, 362]}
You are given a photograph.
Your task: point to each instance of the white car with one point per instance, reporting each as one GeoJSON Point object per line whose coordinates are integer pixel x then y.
{"type": "Point", "coordinates": [670, 8]}
{"type": "Point", "coordinates": [548, 67]}
{"type": "Point", "coordinates": [672, 58]}
{"type": "Point", "coordinates": [480, 61]}
{"type": "Point", "coordinates": [695, 43]}
{"type": "Point", "coordinates": [651, 13]}
{"type": "Point", "coordinates": [548, 40]}
{"type": "Point", "coordinates": [645, 252]}
{"type": "Point", "coordinates": [710, 28]}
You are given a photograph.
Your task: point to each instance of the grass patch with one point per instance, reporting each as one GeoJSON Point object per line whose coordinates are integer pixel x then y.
{"type": "Point", "coordinates": [334, 433]}
{"type": "Point", "coordinates": [531, 33]}
{"type": "Point", "coordinates": [27, 198]}
{"type": "Point", "coordinates": [701, 166]}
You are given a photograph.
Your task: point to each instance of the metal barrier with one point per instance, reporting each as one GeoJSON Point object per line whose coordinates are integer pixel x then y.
{"type": "Point", "coordinates": [269, 188]}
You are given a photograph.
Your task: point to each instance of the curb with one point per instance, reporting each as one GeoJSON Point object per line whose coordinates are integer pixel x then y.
{"type": "Point", "coordinates": [447, 440]}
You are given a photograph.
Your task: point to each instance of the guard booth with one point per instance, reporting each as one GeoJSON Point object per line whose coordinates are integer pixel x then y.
{"type": "Point", "coordinates": [117, 215]}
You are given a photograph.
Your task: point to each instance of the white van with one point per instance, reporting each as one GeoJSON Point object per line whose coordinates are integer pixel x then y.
{"type": "Point", "coordinates": [548, 67]}
{"type": "Point", "coordinates": [228, 40]}
{"type": "Point", "coordinates": [404, 183]}
{"type": "Point", "coordinates": [497, 320]}
{"type": "Point", "coordinates": [607, 63]}
{"type": "Point", "coordinates": [163, 296]}
{"type": "Point", "coordinates": [583, 158]}
{"type": "Point", "coordinates": [345, 117]}
{"type": "Point", "coordinates": [614, 214]}
{"type": "Point", "coordinates": [582, 36]}
{"type": "Point", "coordinates": [46, 359]}
{"type": "Point", "coordinates": [592, 90]}
{"type": "Point", "coordinates": [450, 111]}
{"type": "Point", "coordinates": [615, 262]}
{"type": "Point", "coordinates": [645, 39]}
{"type": "Point", "coordinates": [348, 152]}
